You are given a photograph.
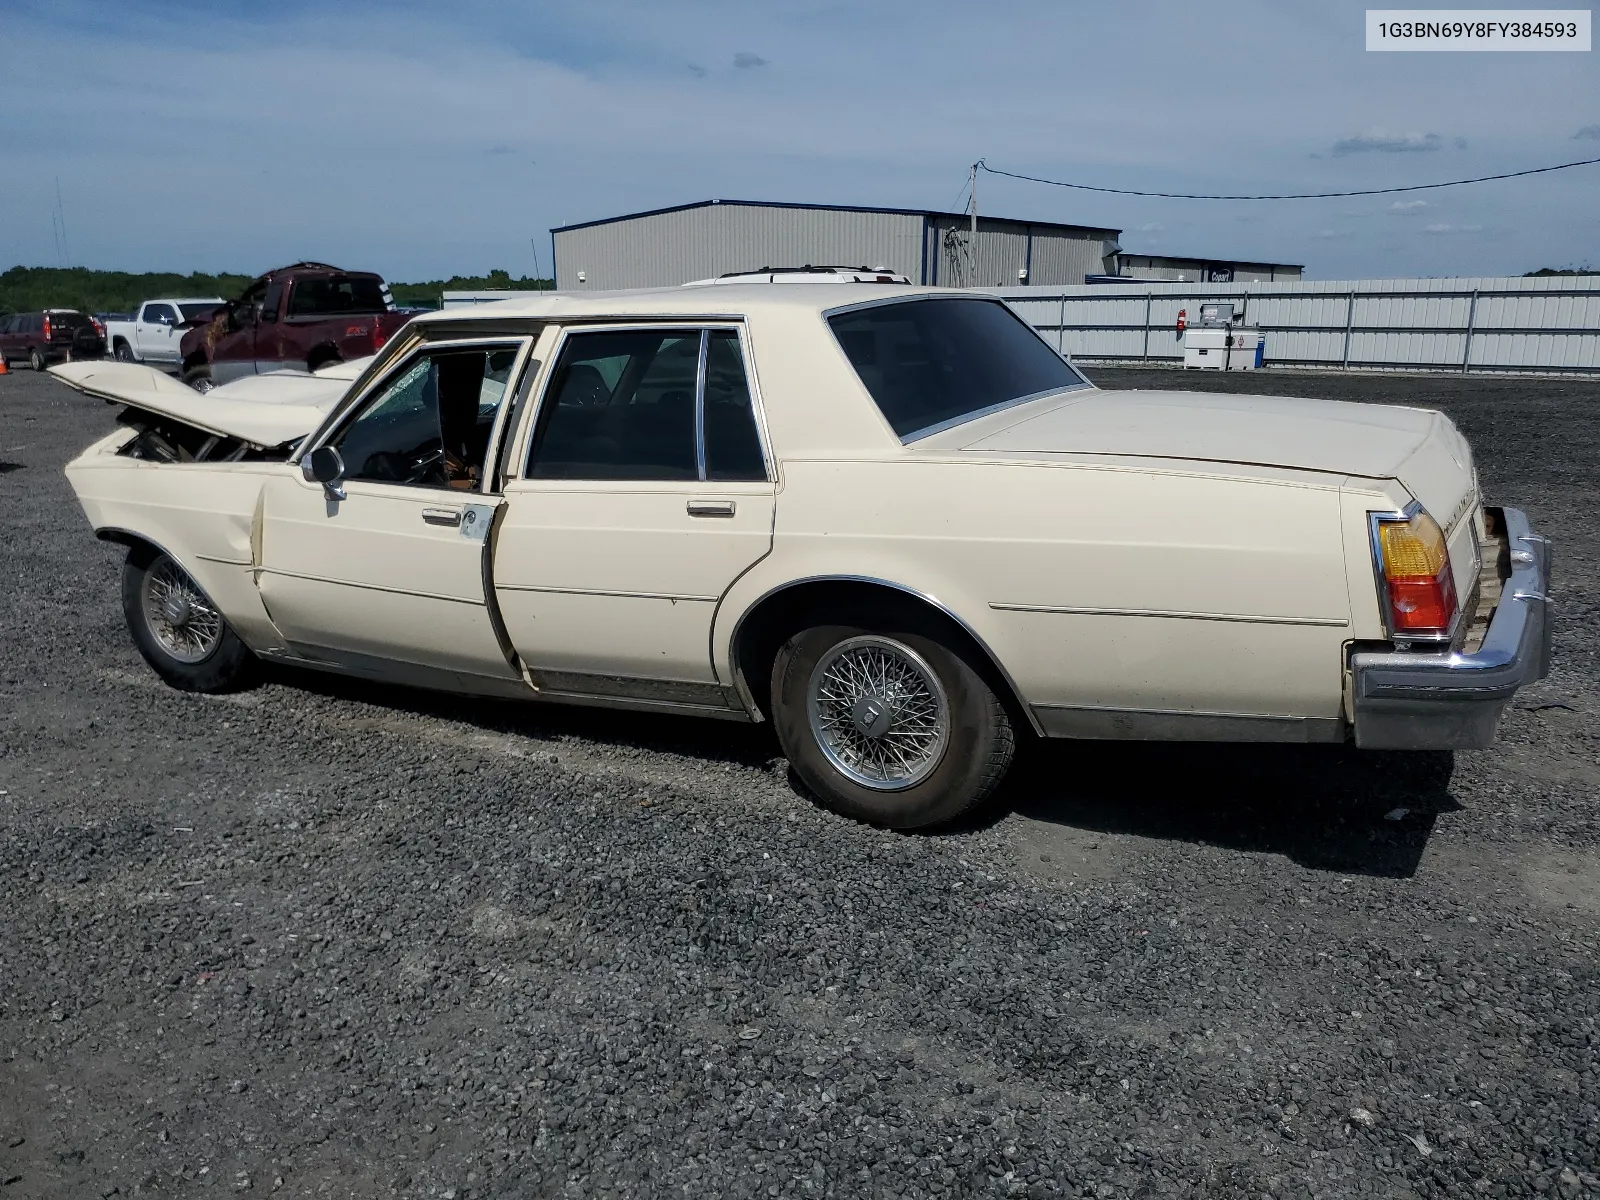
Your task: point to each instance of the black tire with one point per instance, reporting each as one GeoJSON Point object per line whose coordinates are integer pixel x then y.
{"type": "Point", "coordinates": [199, 378]}
{"type": "Point", "coordinates": [978, 742]}
{"type": "Point", "coordinates": [218, 664]}
{"type": "Point", "coordinates": [35, 360]}
{"type": "Point", "coordinates": [327, 360]}
{"type": "Point", "coordinates": [124, 353]}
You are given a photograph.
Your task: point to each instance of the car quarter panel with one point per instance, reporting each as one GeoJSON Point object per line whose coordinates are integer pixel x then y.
{"type": "Point", "coordinates": [1098, 587]}
{"type": "Point", "coordinates": [202, 514]}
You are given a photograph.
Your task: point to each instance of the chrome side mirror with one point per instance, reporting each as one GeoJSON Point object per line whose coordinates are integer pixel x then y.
{"type": "Point", "coordinates": [324, 465]}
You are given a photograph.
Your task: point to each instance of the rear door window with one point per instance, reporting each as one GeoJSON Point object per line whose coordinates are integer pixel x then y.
{"type": "Point", "coordinates": [620, 405]}
{"type": "Point", "coordinates": [932, 363]}
{"type": "Point", "coordinates": [335, 294]}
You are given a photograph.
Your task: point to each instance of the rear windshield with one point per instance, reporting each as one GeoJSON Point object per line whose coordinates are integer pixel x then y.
{"type": "Point", "coordinates": [191, 311]}
{"type": "Point", "coordinates": [336, 295]}
{"type": "Point", "coordinates": [67, 319]}
{"type": "Point", "coordinates": [933, 363]}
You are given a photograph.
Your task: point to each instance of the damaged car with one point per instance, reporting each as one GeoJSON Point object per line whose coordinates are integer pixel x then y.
{"type": "Point", "coordinates": [891, 521]}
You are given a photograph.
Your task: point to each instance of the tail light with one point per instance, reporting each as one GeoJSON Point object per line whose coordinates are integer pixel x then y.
{"type": "Point", "coordinates": [47, 329]}
{"type": "Point", "coordinates": [99, 329]}
{"type": "Point", "coordinates": [380, 335]}
{"type": "Point", "coordinates": [1419, 590]}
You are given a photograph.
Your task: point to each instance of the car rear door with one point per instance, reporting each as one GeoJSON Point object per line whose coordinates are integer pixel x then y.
{"type": "Point", "coordinates": [394, 571]}
{"type": "Point", "coordinates": [643, 492]}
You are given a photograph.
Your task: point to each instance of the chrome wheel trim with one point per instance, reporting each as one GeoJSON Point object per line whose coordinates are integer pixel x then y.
{"type": "Point", "coordinates": [184, 623]}
{"type": "Point", "coordinates": [878, 712]}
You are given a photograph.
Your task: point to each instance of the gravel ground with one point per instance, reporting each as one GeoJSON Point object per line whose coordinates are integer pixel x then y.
{"type": "Point", "coordinates": [321, 938]}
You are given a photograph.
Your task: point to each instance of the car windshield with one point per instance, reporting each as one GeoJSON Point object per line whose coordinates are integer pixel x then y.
{"type": "Point", "coordinates": [932, 363]}
{"type": "Point", "coordinates": [191, 311]}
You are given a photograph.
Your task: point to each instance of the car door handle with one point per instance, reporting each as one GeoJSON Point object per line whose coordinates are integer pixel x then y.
{"type": "Point", "coordinates": [442, 516]}
{"type": "Point", "coordinates": [711, 508]}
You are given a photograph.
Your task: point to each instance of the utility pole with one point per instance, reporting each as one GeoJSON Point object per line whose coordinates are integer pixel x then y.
{"type": "Point", "coordinates": [972, 236]}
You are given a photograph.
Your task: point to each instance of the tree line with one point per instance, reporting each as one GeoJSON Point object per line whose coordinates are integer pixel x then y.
{"type": "Point", "coordinates": [29, 289]}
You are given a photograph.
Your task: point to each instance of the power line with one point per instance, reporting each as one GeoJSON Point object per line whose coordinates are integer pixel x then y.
{"type": "Point", "coordinates": [1416, 187]}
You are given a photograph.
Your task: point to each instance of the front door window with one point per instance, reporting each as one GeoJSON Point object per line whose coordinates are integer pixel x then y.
{"type": "Point", "coordinates": [430, 425]}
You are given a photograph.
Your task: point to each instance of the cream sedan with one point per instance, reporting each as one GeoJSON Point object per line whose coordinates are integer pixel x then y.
{"type": "Point", "coordinates": [892, 521]}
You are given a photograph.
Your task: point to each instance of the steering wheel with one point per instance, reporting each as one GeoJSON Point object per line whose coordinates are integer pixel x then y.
{"type": "Point", "coordinates": [422, 465]}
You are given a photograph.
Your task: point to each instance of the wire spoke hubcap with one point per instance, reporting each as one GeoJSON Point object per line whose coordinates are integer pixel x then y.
{"type": "Point", "coordinates": [178, 613]}
{"type": "Point", "coordinates": [879, 713]}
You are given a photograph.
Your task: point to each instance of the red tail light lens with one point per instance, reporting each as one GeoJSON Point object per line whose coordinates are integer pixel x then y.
{"type": "Point", "coordinates": [380, 335]}
{"type": "Point", "coordinates": [47, 329]}
{"type": "Point", "coordinates": [1419, 589]}
{"type": "Point", "coordinates": [98, 327]}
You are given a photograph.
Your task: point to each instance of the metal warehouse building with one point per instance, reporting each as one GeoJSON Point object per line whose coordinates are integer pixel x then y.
{"type": "Point", "coordinates": [1203, 270]}
{"type": "Point", "coordinates": [669, 246]}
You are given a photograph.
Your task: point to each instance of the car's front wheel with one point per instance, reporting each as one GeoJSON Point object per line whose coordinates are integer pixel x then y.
{"type": "Point", "coordinates": [890, 727]}
{"type": "Point", "coordinates": [178, 630]}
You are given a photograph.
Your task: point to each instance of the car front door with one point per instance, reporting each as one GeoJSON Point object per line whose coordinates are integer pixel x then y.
{"type": "Point", "coordinates": [643, 493]}
{"type": "Point", "coordinates": [394, 571]}
{"type": "Point", "coordinates": [154, 333]}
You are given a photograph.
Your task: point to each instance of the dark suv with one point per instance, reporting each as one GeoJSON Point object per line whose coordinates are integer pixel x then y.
{"type": "Point", "coordinates": [54, 335]}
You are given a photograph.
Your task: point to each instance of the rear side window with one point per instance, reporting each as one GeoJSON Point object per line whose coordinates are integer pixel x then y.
{"type": "Point", "coordinates": [634, 404]}
{"type": "Point", "coordinates": [933, 363]}
{"type": "Point", "coordinates": [620, 406]}
{"type": "Point", "coordinates": [191, 311]}
{"type": "Point", "coordinates": [335, 294]}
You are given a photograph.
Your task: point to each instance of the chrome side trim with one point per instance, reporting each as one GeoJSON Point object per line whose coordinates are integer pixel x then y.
{"type": "Point", "coordinates": [1096, 723]}
{"type": "Point", "coordinates": [564, 591]}
{"type": "Point", "coordinates": [748, 697]}
{"type": "Point", "coordinates": [366, 587]}
{"type": "Point", "coordinates": [1175, 614]}
{"type": "Point", "coordinates": [226, 562]}
{"type": "Point", "coordinates": [1446, 699]}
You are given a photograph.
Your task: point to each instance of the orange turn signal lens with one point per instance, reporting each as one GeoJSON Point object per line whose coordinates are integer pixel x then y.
{"type": "Point", "coordinates": [1420, 588]}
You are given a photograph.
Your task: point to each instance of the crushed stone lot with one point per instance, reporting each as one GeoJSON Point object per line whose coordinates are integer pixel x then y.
{"type": "Point", "coordinates": [322, 938]}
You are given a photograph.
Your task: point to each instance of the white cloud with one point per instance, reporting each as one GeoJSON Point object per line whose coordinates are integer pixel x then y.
{"type": "Point", "coordinates": [1442, 227]}
{"type": "Point", "coordinates": [1328, 234]}
{"type": "Point", "coordinates": [1384, 142]}
{"type": "Point", "coordinates": [1151, 227]}
{"type": "Point", "coordinates": [1408, 208]}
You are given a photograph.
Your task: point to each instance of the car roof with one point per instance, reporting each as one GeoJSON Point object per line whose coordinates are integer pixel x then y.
{"type": "Point", "coordinates": [724, 300]}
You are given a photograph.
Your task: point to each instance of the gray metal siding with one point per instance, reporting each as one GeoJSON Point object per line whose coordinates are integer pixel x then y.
{"type": "Point", "coordinates": [666, 249]}
{"type": "Point", "coordinates": [1054, 257]}
{"type": "Point", "coordinates": [1509, 324]}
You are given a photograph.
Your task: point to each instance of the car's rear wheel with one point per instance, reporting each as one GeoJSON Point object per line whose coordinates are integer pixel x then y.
{"type": "Point", "coordinates": [199, 378]}
{"type": "Point", "coordinates": [178, 630]}
{"type": "Point", "coordinates": [124, 353]}
{"type": "Point", "coordinates": [35, 360]}
{"type": "Point", "coordinates": [888, 726]}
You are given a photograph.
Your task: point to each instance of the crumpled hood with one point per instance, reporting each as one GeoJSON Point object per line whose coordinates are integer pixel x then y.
{"type": "Point", "coordinates": [264, 410]}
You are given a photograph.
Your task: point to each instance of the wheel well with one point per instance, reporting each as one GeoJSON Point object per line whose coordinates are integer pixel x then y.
{"type": "Point", "coordinates": [195, 361]}
{"type": "Point", "coordinates": [119, 340]}
{"type": "Point", "coordinates": [321, 357]}
{"type": "Point", "coordinates": [775, 618]}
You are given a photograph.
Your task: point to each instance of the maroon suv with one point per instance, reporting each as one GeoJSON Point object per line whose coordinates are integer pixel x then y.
{"type": "Point", "coordinates": [307, 316]}
{"type": "Point", "coordinates": [54, 335]}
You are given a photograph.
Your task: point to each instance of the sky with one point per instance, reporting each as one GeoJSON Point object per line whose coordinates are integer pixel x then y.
{"type": "Point", "coordinates": [427, 140]}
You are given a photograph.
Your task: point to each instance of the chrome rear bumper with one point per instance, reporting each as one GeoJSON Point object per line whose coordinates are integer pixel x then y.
{"type": "Point", "coordinates": [1406, 700]}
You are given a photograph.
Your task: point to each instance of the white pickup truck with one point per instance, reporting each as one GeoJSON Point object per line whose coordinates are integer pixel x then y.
{"type": "Point", "coordinates": [156, 329]}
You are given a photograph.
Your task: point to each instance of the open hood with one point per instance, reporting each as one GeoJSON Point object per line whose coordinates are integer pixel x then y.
{"type": "Point", "coordinates": [264, 410]}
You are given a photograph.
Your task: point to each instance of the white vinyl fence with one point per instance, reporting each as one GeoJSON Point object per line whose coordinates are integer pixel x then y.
{"type": "Point", "coordinates": [1512, 324]}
